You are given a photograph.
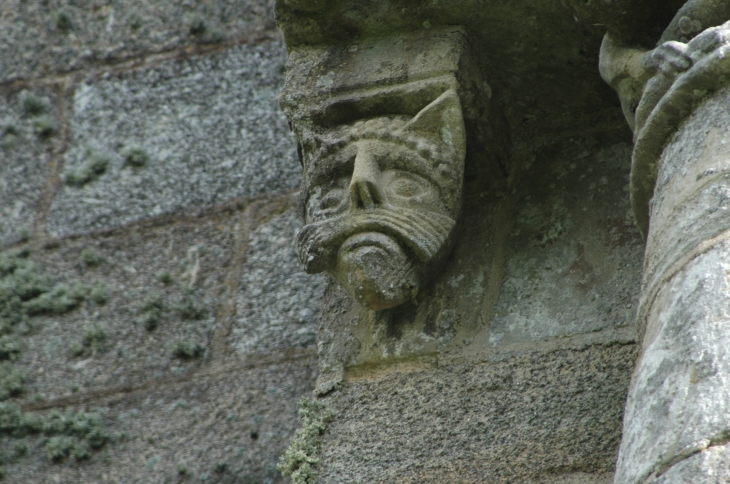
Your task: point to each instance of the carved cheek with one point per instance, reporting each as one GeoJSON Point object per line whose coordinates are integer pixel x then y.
{"type": "Point", "coordinates": [326, 201]}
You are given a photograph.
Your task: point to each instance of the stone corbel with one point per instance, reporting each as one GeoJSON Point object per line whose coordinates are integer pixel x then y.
{"type": "Point", "coordinates": [383, 126]}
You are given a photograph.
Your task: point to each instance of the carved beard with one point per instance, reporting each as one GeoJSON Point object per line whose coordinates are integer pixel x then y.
{"type": "Point", "coordinates": [378, 256]}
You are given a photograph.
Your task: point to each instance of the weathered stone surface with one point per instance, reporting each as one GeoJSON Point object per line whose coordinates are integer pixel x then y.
{"type": "Point", "coordinates": [536, 417]}
{"type": "Point", "coordinates": [24, 160]}
{"type": "Point", "coordinates": [381, 226]}
{"type": "Point", "coordinates": [679, 399]}
{"type": "Point", "coordinates": [574, 261]}
{"type": "Point", "coordinates": [711, 466]}
{"type": "Point", "coordinates": [144, 318]}
{"type": "Point", "coordinates": [209, 126]}
{"type": "Point", "coordinates": [279, 304]}
{"type": "Point", "coordinates": [227, 427]}
{"type": "Point", "coordinates": [44, 38]}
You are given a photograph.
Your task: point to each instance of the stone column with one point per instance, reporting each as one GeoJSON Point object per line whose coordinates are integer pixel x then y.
{"type": "Point", "coordinates": [677, 420]}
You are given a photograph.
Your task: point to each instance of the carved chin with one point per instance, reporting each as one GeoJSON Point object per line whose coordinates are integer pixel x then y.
{"type": "Point", "coordinates": [375, 270]}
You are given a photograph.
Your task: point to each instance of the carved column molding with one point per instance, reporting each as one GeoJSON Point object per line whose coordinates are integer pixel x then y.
{"type": "Point", "coordinates": [676, 426]}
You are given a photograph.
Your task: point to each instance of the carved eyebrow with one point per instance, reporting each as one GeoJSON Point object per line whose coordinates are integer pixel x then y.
{"type": "Point", "coordinates": [337, 164]}
{"type": "Point", "coordinates": [409, 161]}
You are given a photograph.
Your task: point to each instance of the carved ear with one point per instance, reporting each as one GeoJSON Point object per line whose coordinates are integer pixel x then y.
{"type": "Point", "coordinates": [443, 121]}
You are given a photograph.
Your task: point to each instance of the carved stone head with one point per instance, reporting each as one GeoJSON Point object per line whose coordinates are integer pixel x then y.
{"type": "Point", "coordinates": [381, 198]}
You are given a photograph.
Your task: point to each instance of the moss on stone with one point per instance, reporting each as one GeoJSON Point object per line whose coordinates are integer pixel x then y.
{"type": "Point", "coordinates": [197, 24]}
{"type": "Point", "coordinates": [188, 349]}
{"type": "Point", "coordinates": [301, 459]}
{"type": "Point", "coordinates": [9, 347]}
{"type": "Point", "coordinates": [45, 125]}
{"type": "Point", "coordinates": [99, 293]}
{"type": "Point", "coordinates": [135, 156]}
{"type": "Point", "coordinates": [164, 277]}
{"type": "Point", "coordinates": [62, 19]}
{"type": "Point", "coordinates": [93, 167]}
{"type": "Point", "coordinates": [151, 319]}
{"type": "Point", "coordinates": [72, 434]}
{"type": "Point", "coordinates": [93, 337]}
{"type": "Point", "coordinates": [90, 257]}
{"type": "Point", "coordinates": [34, 105]}
{"type": "Point", "coordinates": [188, 309]}
{"type": "Point", "coordinates": [60, 299]}
{"type": "Point", "coordinates": [153, 301]}
{"type": "Point", "coordinates": [11, 381]}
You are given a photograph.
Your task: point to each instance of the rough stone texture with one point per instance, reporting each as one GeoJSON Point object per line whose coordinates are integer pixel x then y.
{"type": "Point", "coordinates": [573, 253]}
{"type": "Point", "coordinates": [679, 402]}
{"type": "Point", "coordinates": [195, 253]}
{"type": "Point", "coordinates": [35, 45]}
{"type": "Point", "coordinates": [24, 163]}
{"type": "Point", "coordinates": [533, 417]}
{"type": "Point", "coordinates": [691, 201]}
{"type": "Point", "coordinates": [210, 126]}
{"type": "Point", "coordinates": [279, 304]}
{"type": "Point", "coordinates": [711, 466]}
{"type": "Point", "coordinates": [679, 399]}
{"type": "Point", "coordinates": [239, 417]}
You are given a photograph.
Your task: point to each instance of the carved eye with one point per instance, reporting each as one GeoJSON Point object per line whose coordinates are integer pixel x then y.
{"type": "Point", "coordinates": [406, 187]}
{"type": "Point", "coordinates": [332, 198]}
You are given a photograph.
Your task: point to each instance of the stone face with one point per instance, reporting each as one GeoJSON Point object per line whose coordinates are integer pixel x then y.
{"type": "Point", "coordinates": [536, 417]}
{"type": "Point", "coordinates": [66, 35]}
{"type": "Point", "coordinates": [573, 263]}
{"type": "Point", "coordinates": [381, 224]}
{"type": "Point", "coordinates": [279, 305]}
{"type": "Point", "coordinates": [144, 319]}
{"type": "Point", "coordinates": [226, 427]}
{"type": "Point", "coordinates": [24, 160]}
{"type": "Point", "coordinates": [205, 129]}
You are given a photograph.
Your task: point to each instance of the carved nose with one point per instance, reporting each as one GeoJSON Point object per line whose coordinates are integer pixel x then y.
{"type": "Point", "coordinates": [365, 191]}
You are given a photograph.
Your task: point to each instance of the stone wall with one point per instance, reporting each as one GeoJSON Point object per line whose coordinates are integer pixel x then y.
{"type": "Point", "coordinates": [147, 199]}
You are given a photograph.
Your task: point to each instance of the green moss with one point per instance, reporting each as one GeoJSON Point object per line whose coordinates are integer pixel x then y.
{"type": "Point", "coordinates": [20, 449]}
{"type": "Point", "coordinates": [59, 300]}
{"type": "Point", "coordinates": [62, 19]}
{"type": "Point", "coordinates": [197, 24]}
{"type": "Point", "coordinates": [90, 257]}
{"type": "Point", "coordinates": [11, 381]}
{"type": "Point", "coordinates": [9, 347]}
{"type": "Point", "coordinates": [45, 125]}
{"type": "Point", "coordinates": [95, 164]}
{"type": "Point", "coordinates": [220, 467]}
{"type": "Point", "coordinates": [135, 156]}
{"type": "Point", "coordinates": [99, 293]}
{"type": "Point", "coordinates": [215, 35]}
{"type": "Point", "coordinates": [187, 309]}
{"type": "Point", "coordinates": [34, 105]}
{"type": "Point", "coordinates": [93, 337]}
{"type": "Point", "coordinates": [135, 20]}
{"type": "Point", "coordinates": [153, 301]}
{"type": "Point", "coordinates": [151, 319]}
{"type": "Point", "coordinates": [164, 277]}
{"type": "Point", "coordinates": [188, 349]}
{"type": "Point", "coordinates": [301, 459]}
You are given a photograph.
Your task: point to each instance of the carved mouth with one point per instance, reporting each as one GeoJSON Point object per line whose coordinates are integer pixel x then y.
{"type": "Point", "coordinates": [370, 239]}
